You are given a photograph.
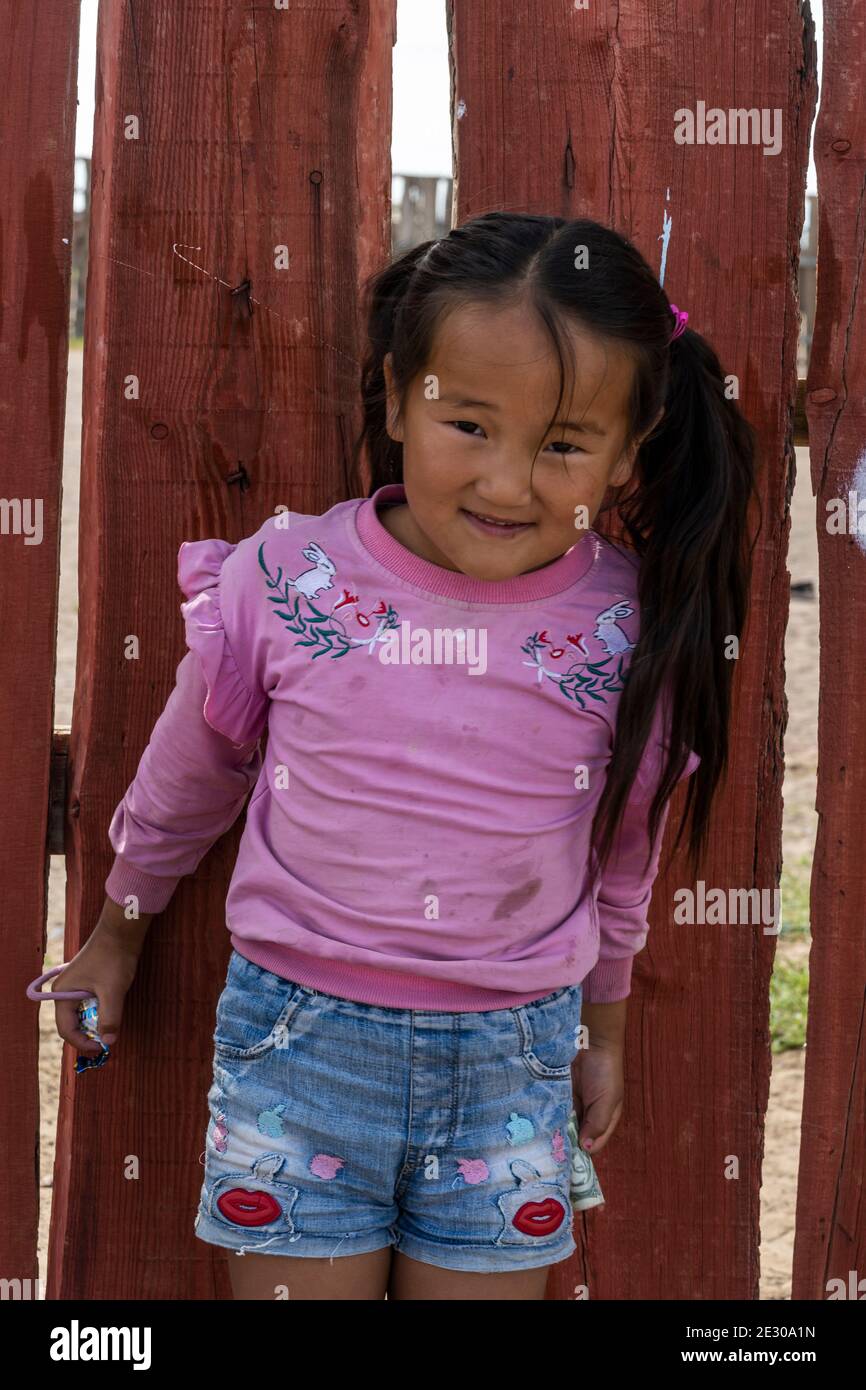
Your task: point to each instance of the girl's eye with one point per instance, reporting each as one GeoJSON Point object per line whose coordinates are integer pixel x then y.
{"type": "Point", "coordinates": [572, 448]}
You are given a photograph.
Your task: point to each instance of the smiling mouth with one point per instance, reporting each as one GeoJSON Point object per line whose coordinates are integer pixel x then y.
{"type": "Point", "coordinates": [490, 523]}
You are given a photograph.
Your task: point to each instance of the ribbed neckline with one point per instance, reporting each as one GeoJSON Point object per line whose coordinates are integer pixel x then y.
{"type": "Point", "coordinates": [560, 574]}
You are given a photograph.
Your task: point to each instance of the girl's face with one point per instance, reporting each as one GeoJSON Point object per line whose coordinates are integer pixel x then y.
{"type": "Point", "coordinates": [492, 383]}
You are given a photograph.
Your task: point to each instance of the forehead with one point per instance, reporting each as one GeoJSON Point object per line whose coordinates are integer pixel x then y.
{"type": "Point", "coordinates": [504, 354]}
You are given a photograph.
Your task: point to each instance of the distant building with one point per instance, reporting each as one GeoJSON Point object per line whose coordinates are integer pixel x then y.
{"type": "Point", "coordinates": [80, 229]}
{"type": "Point", "coordinates": [420, 210]}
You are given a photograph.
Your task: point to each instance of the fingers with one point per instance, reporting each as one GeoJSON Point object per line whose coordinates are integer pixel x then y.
{"type": "Point", "coordinates": [593, 1143]}
{"type": "Point", "coordinates": [68, 1022]}
{"type": "Point", "coordinates": [592, 1137]}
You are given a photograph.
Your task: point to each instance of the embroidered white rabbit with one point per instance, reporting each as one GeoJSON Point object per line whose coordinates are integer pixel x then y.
{"type": "Point", "coordinates": [311, 582]}
{"type": "Point", "coordinates": [609, 634]}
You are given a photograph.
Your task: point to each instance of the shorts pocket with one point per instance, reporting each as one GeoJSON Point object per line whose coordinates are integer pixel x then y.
{"type": "Point", "coordinates": [548, 1033]}
{"type": "Point", "coordinates": [256, 1010]}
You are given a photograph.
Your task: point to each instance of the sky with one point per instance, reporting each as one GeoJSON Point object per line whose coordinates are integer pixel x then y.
{"type": "Point", "coordinates": [421, 134]}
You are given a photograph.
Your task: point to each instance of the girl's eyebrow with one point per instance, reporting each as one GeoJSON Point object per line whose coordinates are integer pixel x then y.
{"type": "Point", "coordinates": [582, 426]}
{"type": "Point", "coordinates": [459, 400]}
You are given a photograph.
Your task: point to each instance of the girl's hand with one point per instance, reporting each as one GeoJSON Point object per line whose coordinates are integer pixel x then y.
{"type": "Point", "coordinates": [598, 1093]}
{"type": "Point", "coordinates": [105, 966]}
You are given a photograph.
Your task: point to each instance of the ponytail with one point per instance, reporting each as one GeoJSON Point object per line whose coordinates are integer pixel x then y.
{"type": "Point", "coordinates": [686, 519]}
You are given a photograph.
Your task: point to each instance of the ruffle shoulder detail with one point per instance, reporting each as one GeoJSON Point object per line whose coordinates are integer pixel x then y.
{"type": "Point", "coordinates": [231, 708]}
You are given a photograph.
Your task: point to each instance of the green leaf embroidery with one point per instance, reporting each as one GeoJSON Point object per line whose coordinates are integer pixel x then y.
{"type": "Point", "coordinates": [591, 680]}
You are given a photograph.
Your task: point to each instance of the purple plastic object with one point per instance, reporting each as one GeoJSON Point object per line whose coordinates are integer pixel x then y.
{"type": "Point", "coordinates": [34, 993]}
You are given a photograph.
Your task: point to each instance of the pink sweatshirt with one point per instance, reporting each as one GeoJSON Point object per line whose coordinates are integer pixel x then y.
{"type": "Point", "coordinates": [418, 833]}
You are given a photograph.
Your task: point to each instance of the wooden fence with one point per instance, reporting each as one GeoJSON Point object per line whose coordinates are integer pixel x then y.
{"type": "Point", "coordinates": [420, 211]}
{"type": "Point", "coordinates": [224, 132]}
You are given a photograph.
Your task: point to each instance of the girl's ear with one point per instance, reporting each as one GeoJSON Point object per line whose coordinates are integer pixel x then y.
{"type": "Point", "coordinates": [393, 422]}
{"type": "Point", "coordinates": [625, 465]}
{"type": "Point", "coordinates": [654, 425]}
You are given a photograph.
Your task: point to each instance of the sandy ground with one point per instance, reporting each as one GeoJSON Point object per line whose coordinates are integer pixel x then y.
{"type": "Point", "coordinates": [799, 828]}
{"type": "Point", "coordinates": [781, 1153]}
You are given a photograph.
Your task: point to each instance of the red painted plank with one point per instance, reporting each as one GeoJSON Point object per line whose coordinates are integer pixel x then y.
{"type": "Point", "coordinates": [830, 1241]}
{"type": "Point", "coordinates": [39, 60]}
{"type": "Point", "coordinates": [257, 128]}
{"type": "Point", "coordinates": [571, 111]}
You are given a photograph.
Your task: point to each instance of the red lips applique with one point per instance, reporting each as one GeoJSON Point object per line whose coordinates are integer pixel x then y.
{"type": "Point", "coordinates": [539, 1218]}
{"type": "Point", "coordinates": [246, 1208]}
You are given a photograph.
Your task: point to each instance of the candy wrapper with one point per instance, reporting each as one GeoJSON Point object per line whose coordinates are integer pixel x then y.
{"type": "Point", "coordinates": [88, 1014]}
{"type": "Point", "coordinates": [584, 1187]}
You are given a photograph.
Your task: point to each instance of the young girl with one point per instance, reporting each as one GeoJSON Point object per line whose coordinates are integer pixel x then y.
{"type": "Point", "coordinates": [476, 709]}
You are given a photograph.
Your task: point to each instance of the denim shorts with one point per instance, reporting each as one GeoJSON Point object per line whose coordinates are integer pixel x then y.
{"type": "Point", "coordinates": [338, 1128]}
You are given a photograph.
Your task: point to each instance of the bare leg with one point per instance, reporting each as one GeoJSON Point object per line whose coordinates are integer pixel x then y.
{"type": "Point", "coordinates": [360, 1277]}
{"type": "Point", "coordinates": [411, 1279]}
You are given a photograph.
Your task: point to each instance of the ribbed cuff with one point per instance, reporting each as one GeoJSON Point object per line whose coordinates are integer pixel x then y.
{"type": "Point", "coordinates": [608, 981]}
{"type": "Point", "coordinates": [153, 893]}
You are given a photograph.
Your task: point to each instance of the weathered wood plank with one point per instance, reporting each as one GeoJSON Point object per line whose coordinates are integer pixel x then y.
{"type": "Point", "coordinates": [38, 59]}
{"type": "Point", "coordinates": [571, 111]}
{"type": "Point", "coordinates": [256, 128]}
{"type": "Point", "coordinates": [830, 1240]}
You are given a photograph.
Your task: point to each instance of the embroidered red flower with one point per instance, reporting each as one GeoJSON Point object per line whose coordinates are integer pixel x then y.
{"type": "Point", "coordinates": [379, 611]}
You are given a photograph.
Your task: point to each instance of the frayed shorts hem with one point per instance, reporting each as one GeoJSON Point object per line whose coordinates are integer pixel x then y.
{"type": "Point", "coordinates": [468, 1258]}
{"type": "Point", "coordinates": [311, 1247]}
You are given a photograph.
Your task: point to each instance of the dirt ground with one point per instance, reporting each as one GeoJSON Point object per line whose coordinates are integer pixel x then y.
{"type": "Point", "coordinates": [781, 1151]}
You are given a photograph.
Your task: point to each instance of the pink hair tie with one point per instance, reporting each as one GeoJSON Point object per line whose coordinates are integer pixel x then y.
{"type": "Point", "coordinates": [682, 319]}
